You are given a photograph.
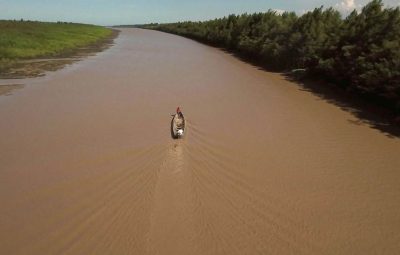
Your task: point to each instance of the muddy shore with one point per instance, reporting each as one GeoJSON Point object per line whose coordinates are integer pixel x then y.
{"type": "Point", "coordinates": [28, 68]}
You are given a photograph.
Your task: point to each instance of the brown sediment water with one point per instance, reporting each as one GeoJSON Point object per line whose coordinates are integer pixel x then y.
{"type": "Point", "coordinates": [88, 166]}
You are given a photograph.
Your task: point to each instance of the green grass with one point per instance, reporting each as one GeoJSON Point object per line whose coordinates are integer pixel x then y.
{"type": "Point", "coordinates": [31, 39]}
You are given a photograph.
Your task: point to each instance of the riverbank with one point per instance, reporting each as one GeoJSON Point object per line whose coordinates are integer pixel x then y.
{"type": "Point", "coordinates": [350, 53]}
{"type": "Point", "coordinates": [372, 110]}
{"type": "Point", "coordinates": [30, 48]}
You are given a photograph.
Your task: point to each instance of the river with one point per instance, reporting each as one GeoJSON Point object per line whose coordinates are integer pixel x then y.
{"type": "Point", "coordinates": [88, 166]}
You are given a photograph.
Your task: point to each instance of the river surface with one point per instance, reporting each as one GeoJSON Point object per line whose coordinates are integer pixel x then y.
{"type": "Point", "coordinates": [88, 166]}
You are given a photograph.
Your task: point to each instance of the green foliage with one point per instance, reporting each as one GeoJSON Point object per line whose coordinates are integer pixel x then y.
{"type": "Point", "coordinates": [368, 53]}
{"type": "Point", "coordinates": [360, 52]}
{"type": "Point", "coordinates": [29, 39]}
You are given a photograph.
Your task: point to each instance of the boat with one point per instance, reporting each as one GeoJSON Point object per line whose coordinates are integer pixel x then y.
{"type": "Point", "coordinates": [178, 124]}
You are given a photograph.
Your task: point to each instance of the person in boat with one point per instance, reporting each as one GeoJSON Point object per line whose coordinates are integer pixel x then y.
{"type": "Point", "coordinates": [178, 111]}
{"type": "Point", "coordinates": [179, 120]}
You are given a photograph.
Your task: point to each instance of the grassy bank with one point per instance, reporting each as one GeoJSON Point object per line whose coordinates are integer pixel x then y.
{"type": "Point", "coordinates": [359, 53]}
{"type": "Point", "coordinates": [27, 39]}
{"type": "Point", "coordinates": [21, 40]}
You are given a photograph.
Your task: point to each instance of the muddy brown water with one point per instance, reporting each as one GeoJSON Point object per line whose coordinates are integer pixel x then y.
{"type": "Point", "coordinates": [88, 166]}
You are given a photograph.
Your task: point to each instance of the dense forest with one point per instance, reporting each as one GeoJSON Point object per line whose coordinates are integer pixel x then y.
{"type": "Point", "coordinates": [360, 53]}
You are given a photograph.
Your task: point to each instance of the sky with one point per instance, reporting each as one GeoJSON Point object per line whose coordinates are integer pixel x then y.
{"type": "Point", "coordinates": [117, 12]}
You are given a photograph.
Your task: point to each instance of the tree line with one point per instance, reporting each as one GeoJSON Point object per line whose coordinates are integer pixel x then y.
{"type": "Point", "coordinates": [360, 52]}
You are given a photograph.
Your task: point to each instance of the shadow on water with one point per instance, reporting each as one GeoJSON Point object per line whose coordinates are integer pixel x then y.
{"type": "Point", "coordinates": [376, 117]}
{"type": "Point", "coordinates": [367, 113]}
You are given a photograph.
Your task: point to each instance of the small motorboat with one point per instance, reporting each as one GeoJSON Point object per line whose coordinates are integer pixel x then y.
{"type": "Point", "coordinates": [178, 125]}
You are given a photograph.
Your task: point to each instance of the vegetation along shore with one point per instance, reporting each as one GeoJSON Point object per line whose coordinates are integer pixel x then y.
{"type": "Point", "coordinates": [359, 53]}
{"type": "Point", "coordinates": [28, 48]}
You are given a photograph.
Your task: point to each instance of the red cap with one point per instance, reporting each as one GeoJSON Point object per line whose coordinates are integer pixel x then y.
{"type": "Point", "coordinates": [178, 110]}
